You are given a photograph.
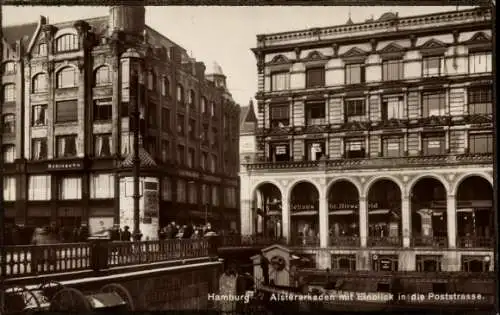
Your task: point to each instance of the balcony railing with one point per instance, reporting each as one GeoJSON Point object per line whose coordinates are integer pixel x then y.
{"type": "Point", "coordinates": [308, 241]}
{"type": "Point", "coordinates": [394, 162]}
{"type": "Point", "coordinates": [249, 240]}
{"type": "Point", "coordinates": [475, 242]}
{"type": "Point", "coordinates": [434, 241]}
{"type": "Point", "coordinates": [381, 241]}
{"type": "Point", "coordinates": [344, 241]}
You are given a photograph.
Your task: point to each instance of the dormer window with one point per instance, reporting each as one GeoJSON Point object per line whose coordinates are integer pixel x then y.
{"type": "Point", "coordinates": [42, 50]}
{"type": "Point", "coordinates": [67, 42]}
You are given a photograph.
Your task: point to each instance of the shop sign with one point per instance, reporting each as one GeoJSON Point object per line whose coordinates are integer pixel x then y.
{"type": "Point", "coordinates": [351, 205]}
{"type": "Point", "coordinates": [303, 207]}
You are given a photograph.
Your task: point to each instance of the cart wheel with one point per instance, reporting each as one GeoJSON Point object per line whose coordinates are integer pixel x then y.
{"type": "Point", "coordinates": [20, 299]}
{"type": "Point", "coordinates": [69, 300]}
{"type": "Point", "coordinates": [121, 291]}
{"type": "Point", "coordinates": [50, 288]}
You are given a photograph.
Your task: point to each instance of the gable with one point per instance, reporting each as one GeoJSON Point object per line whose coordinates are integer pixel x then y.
{"type": "Point", "coordinates": [392, 48]}
{"type": "Point", "coordinates": [354, 52]}
{"type": "Point", "coordinates": [315, 55]}
{"type": "Point", "coordinates": [279, 59]}
{"type": "Point", "coordinates": [433, 44]}
{"type": "Point", "coordinates": [479, 37]}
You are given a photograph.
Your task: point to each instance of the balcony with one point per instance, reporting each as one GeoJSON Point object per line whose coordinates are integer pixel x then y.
{"type": "Point", "coordinates": [380, 241]}
{"type": "Point", "coordinates": [344, 241]}
{"type": "Point", "coordinates": [301, 241]}
{"type": "Point", "coordinates": [434, 242]}
{"type": "Point", "coordinates": [475, 242]}
{"type": "Point", "coordinates": [370, 163]}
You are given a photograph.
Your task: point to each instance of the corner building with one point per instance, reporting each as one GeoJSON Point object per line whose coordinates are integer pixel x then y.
{"type": "Point", "coordinates": [374, 142]}
{"type": "Point", "coordinates": [67, 139]}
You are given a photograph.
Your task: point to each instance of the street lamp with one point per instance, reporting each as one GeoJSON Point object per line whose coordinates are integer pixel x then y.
{"type": "Point", "coordinates": [135, 98]}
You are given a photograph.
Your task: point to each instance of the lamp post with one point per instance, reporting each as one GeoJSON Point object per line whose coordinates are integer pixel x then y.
{"type": "Point", "coordinates": [135, 118]}
{"type": "Point", "coordinates": [2, 212]}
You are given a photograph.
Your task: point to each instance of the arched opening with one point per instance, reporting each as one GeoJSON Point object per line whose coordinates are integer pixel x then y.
{"type": "Point", "coordinates": [428, 213]}
{"type": "Point", "coordinates": [384, 214]}
{"type": "Point", "coordinates": [304, 210]}
{"type": "Point", "coordinates": [267, 207]}
{"type": "Point", "coordinates": [475, 213]}
{"type": "Point", "coordinates": [343, 210]}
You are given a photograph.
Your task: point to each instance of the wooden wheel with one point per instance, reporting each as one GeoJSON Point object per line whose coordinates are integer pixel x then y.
{"type": "Point", "coordinates": [20, 299]}
{"type": "Point", "coordinates": [121, 291]}
{"type": "Point", "coordinates": [49, 289]}
{"type": "Point", "coordinates": [69, 300]}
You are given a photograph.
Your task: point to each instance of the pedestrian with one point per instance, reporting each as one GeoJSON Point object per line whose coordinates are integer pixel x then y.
{"type": "Point", "coordinates": [126, 235]}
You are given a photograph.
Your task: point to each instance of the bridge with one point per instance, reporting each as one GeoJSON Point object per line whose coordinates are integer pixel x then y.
{"type": "Point", "coordinates": [154, 275]}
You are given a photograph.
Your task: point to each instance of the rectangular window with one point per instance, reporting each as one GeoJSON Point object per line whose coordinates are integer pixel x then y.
{"type": "Point", "coordinates": [215, 196]}
{"type": "Point", "coordinates": [344, 262]}
{"type": "Point", "coordinates": [315, 113]}
{"type": "Point", "coordinates": [392, 70]}
{"type": "Point", "coordinates": [66, 146]}
{"type": "Point", "coordinates": [70, 188]}
{"type": "Point", "coordinates": [181, 190]}
{"type": "Point", "coordinates": [192, 129]}
{"type": "Point", "coordinates": [428, 263]}
{"type": "Point", "coordinates": [433, 104]}
{"type": "Point", "coordinates": [150, 145]}
{"type": "Point", "coordinates": [280, 152]}
{"type": "Point", "coordinates": [433, 144]}
{"type": "Point", "coordinates": [102, 186]}
{"type": "Point", "coordinates": [165, 150]}
{"type": "Point", "coordinates": [180, 125]}
{"type": "Point", "coordinates": [315, 77]}
{"type": "Point", "coordinates": [315, 150]}
{"type": "Point", "coordinates": [205, 194]}
{"type": "Point", "coordinates": [165, 119]}
{"type": "Point", "coordinates": [102, 145]}
{"type": "Point", "coordinates": [166, 189]}
{"type": "Point", "coordinates": [39, 187]}
{"type": "Point", "coordinates": [355, 109]}
{"type": "Point", "coordinates": [481, 143]}
{"type": "Point", "coordinates": [9, 93]}
{"type": "Point", "coordinates": [280, 81]}
{"type": "Point", "coordinates": [38, 148]}
{"type": "Point", "coordinates": [9, 188]}
{"type": "Point", "coordinates": [480, 62]}
{"type": "Point", "coordinates": [393, 107]}
{"type": "Point", "coordinates": [354, 148]}
{"type": "Point", "coordinates": [67, 111]}
{"type": "Point", "coordinates": [190, 159]}
{"type": "Point", "coordinates": [393, 146]}
{"type": "Point", "coordinates": [432, 66]}
{"type": "Point", "coordinates": [152, 115]}
{"type": "Point", "coordinates": [354, 73]}
{"type": "Point", "coordinates": [181, 155]}
{"type": "Point", "coordinates": [9, 153]}
{"type": "Point", "coordinates": [213, 163]}
{"type": "Point", "coordinates": [9, 123]}
{"type": "Point", "coordinates": [475, 264]}
{"type": "Point", "coordinates": [204, 135]}
{"type": "Point", "coordinates": [279, 116]}
{"type": "Point", "coordinates": [192, 193]}
{"type": "Point", "coordinates": [126, 144]}
{"type": "Point", "coordinates": [39, 115]}
{"type": "Point", "coordinates": [103, 109]}
{"type": "Point", "coordinates": [480, 100]}
{"type": "Point", "coordinates": [204, 161]}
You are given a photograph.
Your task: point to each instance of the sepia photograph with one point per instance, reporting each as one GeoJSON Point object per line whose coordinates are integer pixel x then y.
{"type": "Point", "coordinates": [248, 159]}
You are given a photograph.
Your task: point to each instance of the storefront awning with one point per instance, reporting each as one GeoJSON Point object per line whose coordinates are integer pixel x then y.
{"type": "Point", "coordinates": [310, 212]}
{"type": "Point", "coordinates": [379, 211]}
{"type": "Point", "coordinates": [341, 212]}
{"type": "Point", "coordinates": [465, 210]}
{"type": "Point", "coordinates": [275, 213]}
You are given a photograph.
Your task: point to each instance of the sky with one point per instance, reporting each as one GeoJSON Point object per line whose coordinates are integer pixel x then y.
{"type": "Point", "coordinates": [223, 34]}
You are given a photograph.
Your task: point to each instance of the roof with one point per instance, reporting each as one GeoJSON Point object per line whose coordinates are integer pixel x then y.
{"type": "Point", "coordinates": [22, 31]}
{"type": "Point", "coordinates": [216, 69]}
{"type": "Point", "coordinates": [144, 157]}
{"type": "Point", "coordinates": [247, 113]}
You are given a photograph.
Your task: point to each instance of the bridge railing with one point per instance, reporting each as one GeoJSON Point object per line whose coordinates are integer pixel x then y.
{"type": "Point", "coordinates": [99, 254]}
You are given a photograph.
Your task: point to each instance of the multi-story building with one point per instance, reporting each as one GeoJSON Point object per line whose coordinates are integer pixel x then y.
{"type": "Point", "coordinates": [375, 140]}
{"type": "Point", "coordinates": [67, 141]}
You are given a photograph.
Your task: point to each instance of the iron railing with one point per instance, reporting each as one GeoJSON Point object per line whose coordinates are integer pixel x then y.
{"type": "Point", "coordinates": [475, 242]}
{"type": "Point", "coordinates": [345, 241]}
{"type": "Point", "coordinates": [432, 241]}
{"type": "Point", "coordinates": [383, 241]}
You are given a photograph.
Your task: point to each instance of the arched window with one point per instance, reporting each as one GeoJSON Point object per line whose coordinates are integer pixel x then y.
{"type": "Point", "coordinates": [9, 67]}
{"type": "Point", "coordinates": [165, 87]}
{"type": "Point", "coordinates": [9, 92]}
{"type": "Point", "coordinates": [9, 123]}
{"type": "Point", "coordinates": [42, 49]}
{"type": "Point", "coordinates": [192, 98]}
{"type": "Point", "coordinates": [67, 42]}
{"type": "Point", "coordinates": [203, 104]}
{"type": "Point", "coordinates": [67, 77]}
{"type": "Point", "coordinates": [39, 83]}
{"type": "Point", "coordinates": [180, 93]}
{"type": "Point", "coordinates": [151, 81]}
{"type": "Point", "coordinates": [102, 76]}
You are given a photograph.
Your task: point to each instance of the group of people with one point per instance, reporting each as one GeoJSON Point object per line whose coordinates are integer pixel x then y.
{"type": "Point", "coordinates": [187, 231]}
